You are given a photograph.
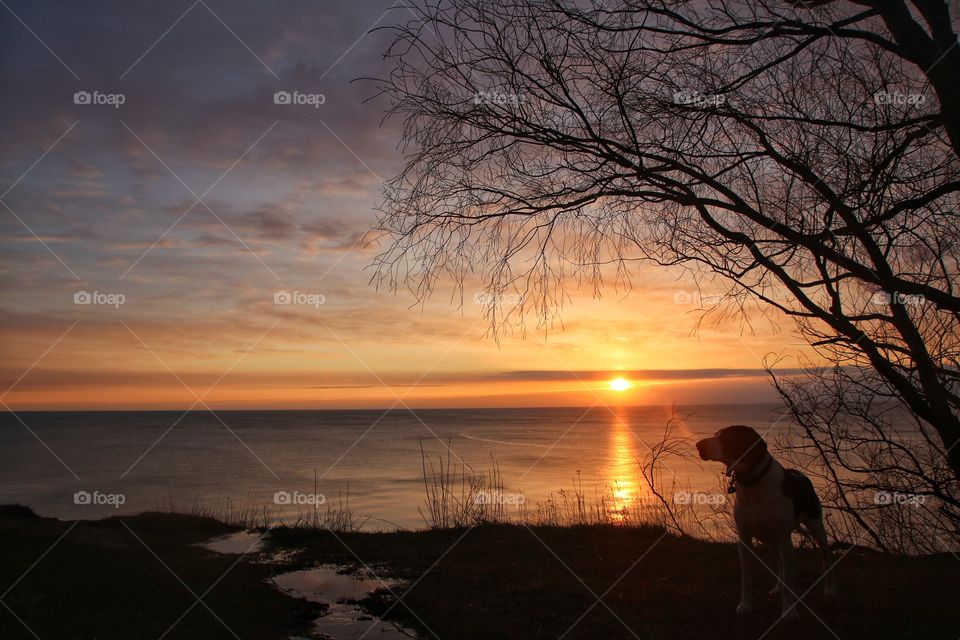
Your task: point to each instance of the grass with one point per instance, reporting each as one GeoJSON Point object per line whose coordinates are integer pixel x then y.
{"type": "Point", "coordinates": [102, 580]}
{"type": "Point", "coordinates": [458, 495]}
{"type": "Point", "coordinates": [249, 513]}
{"type": "Point", "coordinates": [245, 513]}
{"type": "Point", "coordinates": [513, 581]}
{"type": "Point", "coordinates": [484, 582]}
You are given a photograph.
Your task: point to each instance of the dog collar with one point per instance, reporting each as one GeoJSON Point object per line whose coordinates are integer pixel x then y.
{"type": "Point", "coordinates": [749, 478]}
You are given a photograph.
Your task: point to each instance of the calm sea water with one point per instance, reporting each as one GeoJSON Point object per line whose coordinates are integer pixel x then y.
{"type": "Point", "coordinates": [153, 459]}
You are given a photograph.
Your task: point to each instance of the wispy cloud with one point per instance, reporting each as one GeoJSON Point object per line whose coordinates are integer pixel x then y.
{"type": "Point", "coordinates": [642, 374]}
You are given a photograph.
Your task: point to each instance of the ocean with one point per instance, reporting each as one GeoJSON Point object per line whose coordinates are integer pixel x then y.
{"type": "Point", "coordinates": [96, 464]}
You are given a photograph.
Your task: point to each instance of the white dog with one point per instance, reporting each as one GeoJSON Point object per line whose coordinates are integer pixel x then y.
{"type": "Point", "coordinates": [771, 502]}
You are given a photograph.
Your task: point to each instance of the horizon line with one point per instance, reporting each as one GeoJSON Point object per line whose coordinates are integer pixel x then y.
{"type": "Point", "coordinates": [396, 409]}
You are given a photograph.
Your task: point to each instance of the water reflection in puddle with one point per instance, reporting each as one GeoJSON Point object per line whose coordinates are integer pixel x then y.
{"type": "Point", "coordinates": [344, 619]}
{"type": "Point", "coordinates": [238, 542]}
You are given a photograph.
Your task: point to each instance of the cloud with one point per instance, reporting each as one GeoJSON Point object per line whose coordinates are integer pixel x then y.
{"type": "Point", "coordinates": [271, 223]}
{"type": "Point", "coordinates": [368, 386]}
{"type": "Point", "coordinates": [83, 170]}
{"type": "Point", "coordinates": [642, 374]}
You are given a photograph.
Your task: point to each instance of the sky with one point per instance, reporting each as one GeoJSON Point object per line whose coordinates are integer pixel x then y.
{"type": "Point", "coordinates": [186, 189]}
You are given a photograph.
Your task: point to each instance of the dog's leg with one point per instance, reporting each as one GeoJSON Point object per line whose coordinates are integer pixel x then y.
{"type": "Point", "coordinates": [787, 578]}
{"type": "Point", "coordinates": [820, 533]}
{"type": "Point", "coordinates": [747, 561]}
{"type": "Point", "coordinates": [776, 591]}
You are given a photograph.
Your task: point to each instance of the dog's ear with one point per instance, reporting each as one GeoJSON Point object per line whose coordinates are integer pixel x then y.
{"type": "Point", "coordinates": [744, 445]}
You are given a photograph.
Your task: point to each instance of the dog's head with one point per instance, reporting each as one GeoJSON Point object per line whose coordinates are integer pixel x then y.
{"type": "Point", "coordinates": [737, 445]}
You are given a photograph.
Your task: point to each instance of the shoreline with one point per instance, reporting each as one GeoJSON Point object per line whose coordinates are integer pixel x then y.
{"type": "Point", "coordinates": [118, 578]}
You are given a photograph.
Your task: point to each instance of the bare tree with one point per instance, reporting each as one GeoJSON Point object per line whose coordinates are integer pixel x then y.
{"type": "Point", "coordinates": [807, 154]}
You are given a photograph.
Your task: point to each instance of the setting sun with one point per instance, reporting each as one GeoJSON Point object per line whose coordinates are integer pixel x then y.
{"type": "Point", "coordinates": [620, 384]}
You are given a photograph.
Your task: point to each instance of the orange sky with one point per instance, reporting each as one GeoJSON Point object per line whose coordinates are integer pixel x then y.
{"type": "Point", "coordinates": [201, 199]}
{"type": "Point", "coordinates": [333, 356]}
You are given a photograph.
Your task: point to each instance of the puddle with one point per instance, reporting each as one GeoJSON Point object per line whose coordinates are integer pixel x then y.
{"type": "Point", "coordinates": [344, 620]}
{"type": "Point", "coordinates": [239, 542]}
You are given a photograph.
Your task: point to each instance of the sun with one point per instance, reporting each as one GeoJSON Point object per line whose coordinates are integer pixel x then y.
{"type": "Point", "coordinates": [620, 384]}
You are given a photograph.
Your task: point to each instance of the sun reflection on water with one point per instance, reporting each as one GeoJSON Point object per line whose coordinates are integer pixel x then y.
{"type": "Point", "coordinates": [623, 472]}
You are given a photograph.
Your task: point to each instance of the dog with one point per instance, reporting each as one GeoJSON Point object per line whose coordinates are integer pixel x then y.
{"type": "Point", "coordinates": [770, 504]}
